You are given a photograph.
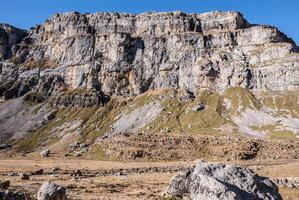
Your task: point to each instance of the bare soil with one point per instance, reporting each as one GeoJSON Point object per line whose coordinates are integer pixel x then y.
{"type": "Point", "coordinates": [102, 179]}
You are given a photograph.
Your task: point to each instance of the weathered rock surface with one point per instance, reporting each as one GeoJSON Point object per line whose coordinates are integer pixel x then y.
{"type": "Point", "coordinates": [10, 37]}
{"type": "Point", "coordinates": [126, 54]}
{"type": "Point", "coordinates": [220, 181]}
{"type": "Point", "coordinates": [51, 191]}
{"type": "Point", "coordinates": [18, 117]}
{"type": "Point", "coordinates": [13, 195]}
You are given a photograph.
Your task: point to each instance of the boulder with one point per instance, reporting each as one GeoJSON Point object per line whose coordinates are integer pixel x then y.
{"type": "Point", "coordinates": [51, 191]}
{"type": "Point", "coordinates": [4, 146]}
{"type": "Point", "coordinates": [45, 153]}
{"type": "Point", "coordinates": [219, 181]}
{"type": "Point", "coordinates": [76, 173]}
{"type": "Point", "coordinates": [37, 172]}
{"type": "Point", "coordinates": [198, 107]}
{"type": "Point", "coordinates": [24, 176]}
{"type": "Point", "coordinates": [13, 195]}
{"type": "Point", "coordinates": [4, 184]}
{"type": "Point", "coordinates": [55, 169]}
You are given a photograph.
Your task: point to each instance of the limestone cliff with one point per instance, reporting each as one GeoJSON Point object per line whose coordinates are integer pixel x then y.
{"type": "Point", "coordinates": [112, 54]}
{"type": "Point", "coordinates": [94, 77]}
{"type": "Point", "coordinates": [9, 37]}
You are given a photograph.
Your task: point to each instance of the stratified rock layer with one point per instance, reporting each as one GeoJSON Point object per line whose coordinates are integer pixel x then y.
{"type": "Point", "coordinates": [126, 55]}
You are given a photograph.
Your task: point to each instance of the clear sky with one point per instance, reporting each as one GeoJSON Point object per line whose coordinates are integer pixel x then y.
{"type": "Point", "coordinates": [283, 14]}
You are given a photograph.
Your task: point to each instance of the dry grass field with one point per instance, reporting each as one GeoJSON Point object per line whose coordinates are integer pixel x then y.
{"type": "Point", "coordinates": [141, 185]}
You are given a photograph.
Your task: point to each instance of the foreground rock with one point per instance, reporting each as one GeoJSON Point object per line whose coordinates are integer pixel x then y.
{"type": "Point", "coordinates": [12, 195]}
{"type": "Point", "coordinates": [4, 184]}
{"type": "Point", "coordinates": [4, 146]}
{"type": "Point", "coordinates": [51, 191]}
{"type": "Point", "coordinates": [37, 172]}
{"type": "Point", "coordinates": [220, 181]}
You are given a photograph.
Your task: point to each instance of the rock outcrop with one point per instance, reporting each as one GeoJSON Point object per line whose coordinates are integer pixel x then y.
{"type": "Point", "coordinates": [220, 181]}
{"type": "Point", "coordinates": [10, 37]}
{"type": "Point", "coordinates": [125, 55]}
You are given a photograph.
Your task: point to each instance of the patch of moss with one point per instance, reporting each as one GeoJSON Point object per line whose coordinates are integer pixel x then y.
{"type": "Point", "coordinates": [282, 135]}
{"type": "Point", "coordinates": [97, 152]}
{"type": "Point", "coordinates": [42, 64]}
{"type": "Point", "coordinates": [240, 99]}
{"type": "Point", "coordinates": [207, 120]}
{"type": "Point", "coordinates": [273, 132]}
{"type": "Point", "coordinates": [35, 97]}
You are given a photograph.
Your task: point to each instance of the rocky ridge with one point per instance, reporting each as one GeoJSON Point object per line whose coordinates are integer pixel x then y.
{"type": "Point", "coordinates": [115, 54]}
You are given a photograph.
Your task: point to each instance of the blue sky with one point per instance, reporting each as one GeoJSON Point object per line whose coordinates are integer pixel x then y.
{"type": "Point", "coordinates": [283, 14]}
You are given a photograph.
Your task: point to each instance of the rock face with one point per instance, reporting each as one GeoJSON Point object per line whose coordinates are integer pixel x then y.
{"type": "Point", "coordinates": [125, 55]}
{"type": "Point", "coordinates": [219, 181]}
{"type": "Point", "coordinates": [51, 191]}
{"type": "Point", "coordinates": [9, 38]}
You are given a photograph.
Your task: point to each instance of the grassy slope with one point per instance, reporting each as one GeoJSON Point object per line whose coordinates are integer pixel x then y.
{"type": "Point", "coordinates": [176, 117]}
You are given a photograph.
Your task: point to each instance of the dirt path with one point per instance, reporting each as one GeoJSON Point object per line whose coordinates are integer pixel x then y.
{"type": "Point", "coordinates": [71, 164]}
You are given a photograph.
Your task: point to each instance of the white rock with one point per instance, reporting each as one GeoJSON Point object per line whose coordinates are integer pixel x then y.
{"type": "Point", "coordinates": [45, 153]}
{"type": "Point", "coordinates": [220, 181]}
{"type": "Point", "coordinates": [51, 191]}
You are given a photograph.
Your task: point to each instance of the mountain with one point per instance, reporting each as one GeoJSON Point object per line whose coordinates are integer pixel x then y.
{"type": "Point", "coordinates": [128, 85]}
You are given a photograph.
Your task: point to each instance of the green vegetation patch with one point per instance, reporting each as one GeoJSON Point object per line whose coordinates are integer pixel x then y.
{"type": "Point", "coordinates": [282, 135]}
{"type": "Point", "coordinates": [42, 64]}
{"type": "Point", "coordinates": [284, 103]}
{"type": "Point", "coordinates": [205, 121]}
{"type": "Point", "coordinates": [179, 117]}
{"type": "Point", "coordinates": [100, 121]}
{"type": "Point", "coordinates": [45, 136]}
{"type": "Point", "coordinates": [238, 99]}
{"type": "Point", "coordinates": [97, 152]}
